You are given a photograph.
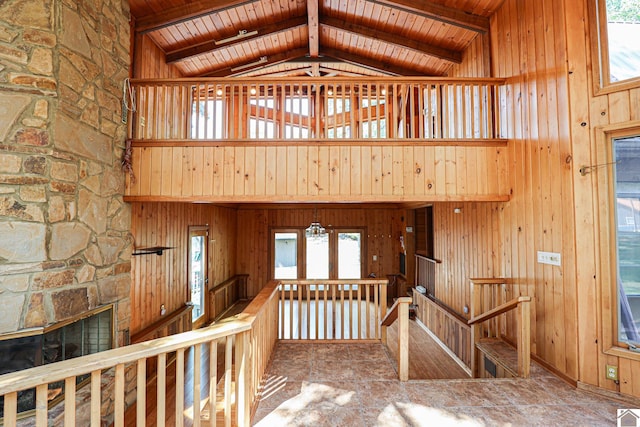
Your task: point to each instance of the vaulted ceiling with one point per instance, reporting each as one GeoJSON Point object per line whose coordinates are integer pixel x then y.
{"type": "Point", "coordinates": [312, 37]}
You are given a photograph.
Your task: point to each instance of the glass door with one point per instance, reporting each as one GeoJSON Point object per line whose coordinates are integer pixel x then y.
{"type": "Point", "coordinates": [198, 275]}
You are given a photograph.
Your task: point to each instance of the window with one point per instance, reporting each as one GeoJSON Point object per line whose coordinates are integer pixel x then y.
{"type": "Point", "coordinates": [626, 157]}
{"type": "Point", "coordinates": [338, 254]}
{"type": "Point", "coordinates": [285, 255]}
{"type": "Point", "coordinates": [198, 271]}
{"type": "Point", "coordinates": [207, 119]}
{"type": "Point", "coordinates": [615, 46]}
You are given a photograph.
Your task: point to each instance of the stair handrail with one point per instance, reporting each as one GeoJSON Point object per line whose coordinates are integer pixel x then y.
{"type": "Point", "coordinates": [399, 311]}
{"type": "Point", "coordinates": [522, 305]}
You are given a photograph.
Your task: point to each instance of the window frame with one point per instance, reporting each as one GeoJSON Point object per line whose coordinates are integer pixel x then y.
{"type": "Point", "coordinates": [605, 136]}
{"type": "Point", "coordinates": [600, 52]}
{"type": "Point", "coordinates": [301, 250]}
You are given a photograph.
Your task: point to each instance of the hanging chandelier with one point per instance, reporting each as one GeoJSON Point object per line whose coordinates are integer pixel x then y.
{"type": "Point", "coordinates": [315, 230]}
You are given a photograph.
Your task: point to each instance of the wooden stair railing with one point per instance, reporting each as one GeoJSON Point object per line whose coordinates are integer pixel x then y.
{"type": "Point", "coordinates": [400, 311]}
{"type": "Point", "coordinates": [254, 335]}
{"type": "Point", "coordinates": [522, 305]}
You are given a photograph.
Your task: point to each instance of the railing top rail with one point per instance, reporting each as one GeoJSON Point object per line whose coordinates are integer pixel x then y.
{"type": "Point", "coordinates": [45, 374]}
{"type": "Point", "coordinates": [426, 258]}
{"type": "Point", "coordinates": [507, 306]}
{"type": "Point", "coordinates": [392, 314]}
{"type": "Point", "coordinates": [149, 330]}
{"type": "Point", "coordinates": [58, 371]}
{"type": "Point", "coordinates": [319, 80]}
{"type": "Point", "coordinates": [336, 282]}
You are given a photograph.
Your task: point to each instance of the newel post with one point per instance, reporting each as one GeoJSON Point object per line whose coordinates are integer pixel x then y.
{"type": "Point", "coordinates": [403, 340]}
{"type": "Point", "coordinates": [476, 328]}
{"type": "Point", "coordinates": [243, 372]}
{"type": "Point", "coordinates": [383, 310]}
{"type": "Point", "coordinates": [524, 336]}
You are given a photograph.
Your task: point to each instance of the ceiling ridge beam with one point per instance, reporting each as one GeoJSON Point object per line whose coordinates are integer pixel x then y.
{"type": "Point", "coordinates": [437, 12]}
{"type": "Point", "coordinates": [425, 48]}
{"type": "Point", "coordinates": [212, 46]}
{"type": "Point", "coordinates": [361, 61]}
{"type": "Point", "coordinates": [313, 15]}
{"type": "Point", "coordinates": [271, 60]}
{"type": "Point", "coordinates": [192, 10]}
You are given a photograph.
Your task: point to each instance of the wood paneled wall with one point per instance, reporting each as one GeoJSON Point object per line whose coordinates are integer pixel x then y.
{"type": "Point", "coordinates": [338, 173]}
{"type": "Point", "coordinates": [542, 48]}
{"type": "Point", "coordinates": [383, 228]}
{"type": "Point", "coordinates": [149, 62]}
{"type": "Point", "coordinates": [162, 279]}
{"type": "Point", "coordinates": [469, 244]}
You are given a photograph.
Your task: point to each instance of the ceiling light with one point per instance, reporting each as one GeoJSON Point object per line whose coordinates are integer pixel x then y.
{"type": "Point", "coordinates": [262, 60]}
{"type": "Point", "coordinates": [253, 91]}
{"type": "Point", "coordinates": [241, 35]}
{"type": "Point", "coordinates": [219, 92]}
{"type": "Point", "coordinates": [315, 230]}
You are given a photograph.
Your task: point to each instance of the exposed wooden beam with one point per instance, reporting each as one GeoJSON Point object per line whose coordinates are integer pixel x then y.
{"type": "Point", "coordinates": [212, 47]}
{"type": "Point", "coordinates": [383, 67]}
{"type": "Point", "coordinates": [313, 14]}
{"type": "Point", "coordinates": [185, 12]}
{"type": "Point", "coordinates": [437, 12]}
{"type": "Point", "coordinates": [271, 60]}
{"type": "Point", "coordinates": [445, 54]}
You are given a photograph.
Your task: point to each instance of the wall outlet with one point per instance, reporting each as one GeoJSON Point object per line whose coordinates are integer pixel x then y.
{"type": "Point", "coordinates": [612, 372]}
{"type": "Point", "coordinates": [551, 258]}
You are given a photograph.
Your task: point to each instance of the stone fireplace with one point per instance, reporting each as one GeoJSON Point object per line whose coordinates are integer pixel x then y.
{"type": "Point", "coordinates": [90, 333]}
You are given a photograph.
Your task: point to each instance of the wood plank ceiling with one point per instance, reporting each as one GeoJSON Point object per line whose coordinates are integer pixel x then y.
{"type": "Point", "coordinates": [312, 37]}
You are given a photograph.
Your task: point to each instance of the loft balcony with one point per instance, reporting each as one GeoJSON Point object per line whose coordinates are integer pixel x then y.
{"type": "Point", "coordinates": [318, 139]}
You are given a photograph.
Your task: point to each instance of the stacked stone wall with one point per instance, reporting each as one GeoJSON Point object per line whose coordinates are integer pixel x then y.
{"type": "Point", "coordinates": [65, 242]}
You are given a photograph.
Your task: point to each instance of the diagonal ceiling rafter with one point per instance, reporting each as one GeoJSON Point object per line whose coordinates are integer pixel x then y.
{"type": "Point", "coordinates": [445, 54]}
{"type": "Point", "coordinates": [271, 60]}
{"type": "Point", "coordinates": [361, 61]}
{"type": "Point", "coordinates": [212, 46]}
{"type": "Point", "coordinates": [185, 12]}
{"type": "Point", "coordinates": [447, 15]}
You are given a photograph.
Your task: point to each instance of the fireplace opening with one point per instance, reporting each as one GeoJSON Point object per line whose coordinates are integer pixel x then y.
{"type": "Point", "coordinates": [92, 332]}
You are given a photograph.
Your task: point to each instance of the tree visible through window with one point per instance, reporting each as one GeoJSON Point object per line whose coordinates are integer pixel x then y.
{"type": "Point", "coordinates": [616, 44]}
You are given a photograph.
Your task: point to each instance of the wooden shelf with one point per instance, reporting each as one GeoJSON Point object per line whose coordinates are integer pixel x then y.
{"type": "Point", "coordinates": [158, 250]}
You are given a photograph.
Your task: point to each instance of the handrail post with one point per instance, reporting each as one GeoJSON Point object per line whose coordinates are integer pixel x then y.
{"type": "Point", "coordinates": [524, 339]}
{"type": "Point", "coordinates": [383, 311]}
{"type": "Point", "coordinates": [476, 329]}
{"type": "Point", "coordinates": [403, 341]}
{"type": "Point", "coordinates": [243, 399]}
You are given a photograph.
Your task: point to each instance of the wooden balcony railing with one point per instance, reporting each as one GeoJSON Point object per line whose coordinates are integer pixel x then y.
{"type": "Point", "coordinates": [332, 309]}
{"type": "Point", "coordinates": [316, 109]}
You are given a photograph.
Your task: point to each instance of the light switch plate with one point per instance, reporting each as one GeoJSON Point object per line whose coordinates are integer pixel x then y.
{"type": "Point", "coordinates": [551, 258]}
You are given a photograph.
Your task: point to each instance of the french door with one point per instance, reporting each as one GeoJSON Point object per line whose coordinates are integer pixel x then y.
{"type": "Point", "coordinates": [338, 254]}
{"type": "Point", "coordinates": [198, 273]}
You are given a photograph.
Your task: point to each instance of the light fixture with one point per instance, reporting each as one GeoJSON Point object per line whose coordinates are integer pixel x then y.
{"type": "Point", "coordinates": [457, 210]}
{"type": "Point", "coordinates": [219, 92]}
{"type": "Point", "coordinates": [315, 230]}
{"type": "Point", "coordinates": [262, 60]}
{"type": "Point", "coordinates": [241, 35]}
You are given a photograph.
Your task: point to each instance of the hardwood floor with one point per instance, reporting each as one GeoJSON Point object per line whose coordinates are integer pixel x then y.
{"type": "Point", "coordinates": [427, 360]}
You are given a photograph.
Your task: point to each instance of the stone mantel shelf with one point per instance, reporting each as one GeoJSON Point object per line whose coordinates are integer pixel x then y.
{"type": "Point", "coordinates": [158, 250]}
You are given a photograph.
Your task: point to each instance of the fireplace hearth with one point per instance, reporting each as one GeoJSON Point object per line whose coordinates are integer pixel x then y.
{"type": "Point", "coordinates": [87, 334]}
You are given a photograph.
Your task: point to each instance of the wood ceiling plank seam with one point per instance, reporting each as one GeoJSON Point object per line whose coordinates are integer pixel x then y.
{"type": "Point", "coordinates": [431, 10]}
{"type": "Point", "coordinates": [249, 12]}
{"type": "Point", "coordinates": [211, 46]}
{"type": "Point", "coordinates": [169, 16]}
{"type": "Point", "coordinates": [382, 36]}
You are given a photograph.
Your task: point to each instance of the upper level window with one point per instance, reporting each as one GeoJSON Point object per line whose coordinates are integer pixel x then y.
{"type": "Point", "coordinates": [626, 155]}
{"type": "Point", "coordinates": [616, 47]}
